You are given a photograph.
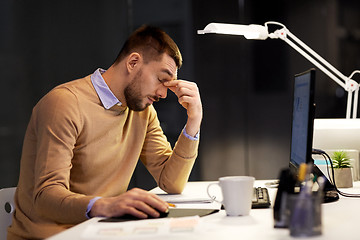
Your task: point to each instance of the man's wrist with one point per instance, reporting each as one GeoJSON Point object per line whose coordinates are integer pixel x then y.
{"type": "Point", "coordinates": [90, 205]}
{"type": "Point", "coordinates": [194, 138]}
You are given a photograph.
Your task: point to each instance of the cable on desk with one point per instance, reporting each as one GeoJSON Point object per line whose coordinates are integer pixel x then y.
{"type": "Point", "coordinates": [331, 177]}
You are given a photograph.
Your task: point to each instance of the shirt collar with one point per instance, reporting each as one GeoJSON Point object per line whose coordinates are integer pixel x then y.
{"type": "Point", "coordinates": [106, 96]}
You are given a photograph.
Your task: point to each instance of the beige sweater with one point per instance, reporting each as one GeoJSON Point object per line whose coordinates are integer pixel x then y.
{"type": "Point", "coordinates": [74, 149]}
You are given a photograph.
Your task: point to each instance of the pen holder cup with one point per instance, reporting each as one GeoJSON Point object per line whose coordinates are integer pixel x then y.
{"type": "Point", "coordinates": [305, 215]}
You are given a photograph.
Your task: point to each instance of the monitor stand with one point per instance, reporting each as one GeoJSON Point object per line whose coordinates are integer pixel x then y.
{"type": "Point", "coordinates": [330, 193]}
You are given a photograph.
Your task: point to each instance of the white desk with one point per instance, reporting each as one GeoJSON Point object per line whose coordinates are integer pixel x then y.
{"type": "Point", "coordinates": [340, 220]}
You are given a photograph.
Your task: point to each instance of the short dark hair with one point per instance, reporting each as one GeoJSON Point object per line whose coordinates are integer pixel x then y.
{"type": "Point", "coordinates": [151, 42]}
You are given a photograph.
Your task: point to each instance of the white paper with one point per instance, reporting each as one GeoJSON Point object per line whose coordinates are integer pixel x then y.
{"type": "Point", "coordinates": [179, 198]}
{"type": "Point", "coordinates": [150, 228]}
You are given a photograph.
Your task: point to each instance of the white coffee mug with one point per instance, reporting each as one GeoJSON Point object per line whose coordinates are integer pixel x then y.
{"type": "Point", "coordinates": [237, 192]}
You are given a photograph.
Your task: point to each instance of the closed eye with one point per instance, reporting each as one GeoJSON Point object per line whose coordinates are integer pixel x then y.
{"type": "Point", "coordinates": [162, 81]}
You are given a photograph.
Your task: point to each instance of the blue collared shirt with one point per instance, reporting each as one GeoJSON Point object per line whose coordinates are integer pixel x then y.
{"type": "Point", "coordinates": [106, 96]}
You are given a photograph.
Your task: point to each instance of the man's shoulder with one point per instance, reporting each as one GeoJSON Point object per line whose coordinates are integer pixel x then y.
{"type": "Point", "coordinates": [75, 85]}
{"type": "Point", "coordinates": [66, 93]}
{"type": "Point", "coordinates": [71, 90]}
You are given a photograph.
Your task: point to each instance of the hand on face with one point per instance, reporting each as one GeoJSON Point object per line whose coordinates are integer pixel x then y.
{"type": "Point", "coordinates": [136, 202]}
{"type": "Point", "coordinates": [189, 97]}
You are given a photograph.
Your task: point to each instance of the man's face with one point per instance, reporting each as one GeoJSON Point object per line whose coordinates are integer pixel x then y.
{"type": "Point", "coordinates": [147, 85]}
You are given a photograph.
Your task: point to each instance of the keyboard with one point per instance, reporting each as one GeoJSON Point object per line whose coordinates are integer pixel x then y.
{"type": "Point", "coordinates": [260, 198]}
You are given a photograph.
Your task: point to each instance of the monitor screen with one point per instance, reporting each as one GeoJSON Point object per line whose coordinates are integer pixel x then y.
{"type": "Point", "coordinates": [302, 119]}
{"type": "Point", "coordinates": [302, 129]}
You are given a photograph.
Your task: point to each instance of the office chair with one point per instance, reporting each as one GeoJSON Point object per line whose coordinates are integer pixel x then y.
{"type": "Point", "coordinates": [7, 207]}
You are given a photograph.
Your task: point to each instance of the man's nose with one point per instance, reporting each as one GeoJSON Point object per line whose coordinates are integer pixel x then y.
{"type": "Point", "coordinates": [162, 91]}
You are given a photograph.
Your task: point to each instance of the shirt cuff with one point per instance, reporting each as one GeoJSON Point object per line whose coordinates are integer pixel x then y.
{"type": "Point", "coordinates": [191, 137]}
{"type": "Point", "coordinates": [91, 203]}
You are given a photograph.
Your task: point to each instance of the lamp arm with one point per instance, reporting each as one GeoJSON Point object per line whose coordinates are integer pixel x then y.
{"type": "Point", "coordinates": [285, 35]}
{"type": "Point", "coordinates": [349, 85]}
{"type": "Point", "coordinates": [356, 93]}
{"type": "Point", "coordinates": [326, 71]}
{"type": "Point", "coordinates": [316, 63]}
{"type": "Point", "coordinates": [353, 73]}
{"type": "Point", "coordinates": [355, 106]}
{"type": "Point", "coordinates": [318, 57]}
{"type": "Point", "coordinates": [348, 105]}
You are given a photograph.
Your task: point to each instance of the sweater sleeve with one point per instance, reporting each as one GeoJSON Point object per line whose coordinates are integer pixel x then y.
{"type": "Point", "coordinates": [56, 124]}
{"type": "Point", "coordinates": [170, 168]}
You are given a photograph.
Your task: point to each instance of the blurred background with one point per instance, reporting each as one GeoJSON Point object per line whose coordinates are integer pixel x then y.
{"type": "Point", "coordinates": [246, 85]}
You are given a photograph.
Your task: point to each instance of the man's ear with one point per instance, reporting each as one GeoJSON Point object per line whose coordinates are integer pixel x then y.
{"type": "Point", "coordinates": [133, 61]}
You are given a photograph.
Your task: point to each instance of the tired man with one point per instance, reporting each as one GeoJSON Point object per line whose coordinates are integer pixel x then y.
{"type": "Point", "coordinates": [85, 137]}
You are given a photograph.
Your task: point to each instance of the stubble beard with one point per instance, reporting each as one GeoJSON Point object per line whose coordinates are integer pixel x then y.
{"type": "Point", "coordinates": [133, 97]}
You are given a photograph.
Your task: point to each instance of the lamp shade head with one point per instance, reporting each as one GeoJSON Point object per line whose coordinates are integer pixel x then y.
{"type": "Point", "coordinates": [252, 31]}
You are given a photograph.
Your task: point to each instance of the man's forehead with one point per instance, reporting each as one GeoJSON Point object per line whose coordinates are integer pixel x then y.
{"type": "Point", "coordinates": [172, 74]}
{"type": "Point", "coordinates": [170, 63]}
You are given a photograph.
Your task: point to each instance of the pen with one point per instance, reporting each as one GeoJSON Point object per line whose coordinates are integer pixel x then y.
{"type": "Point", "coordinates": [171, 205]}
{"type": "Point", "coordinates": [302, 172]}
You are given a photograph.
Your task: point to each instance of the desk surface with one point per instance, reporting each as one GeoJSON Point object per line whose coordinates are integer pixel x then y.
{"type": "Point", "coordinates": [339, 220]}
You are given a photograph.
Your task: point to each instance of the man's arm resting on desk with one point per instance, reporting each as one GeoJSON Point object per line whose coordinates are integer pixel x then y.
{"type": "Point", "coordinates": [136, 202]}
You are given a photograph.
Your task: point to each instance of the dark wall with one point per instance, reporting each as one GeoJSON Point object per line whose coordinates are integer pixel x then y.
{"type": "Point", "coordinates": [43, 44]}
{"type": "Point", "coordinates": [245, 85]}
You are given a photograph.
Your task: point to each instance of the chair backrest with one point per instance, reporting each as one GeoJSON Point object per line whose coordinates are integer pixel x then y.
{"type": "Point", "coordinates": [7, 207]}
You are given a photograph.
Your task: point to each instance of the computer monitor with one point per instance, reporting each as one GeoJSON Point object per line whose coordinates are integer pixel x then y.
{"type": "Point", "coordinates": [302, 119]}
{"type": "Point", "coordinates": [302, 129]}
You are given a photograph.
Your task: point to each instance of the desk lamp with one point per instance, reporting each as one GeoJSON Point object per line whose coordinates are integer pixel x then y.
{"type": "Point", "coordinates": [260, 32]}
